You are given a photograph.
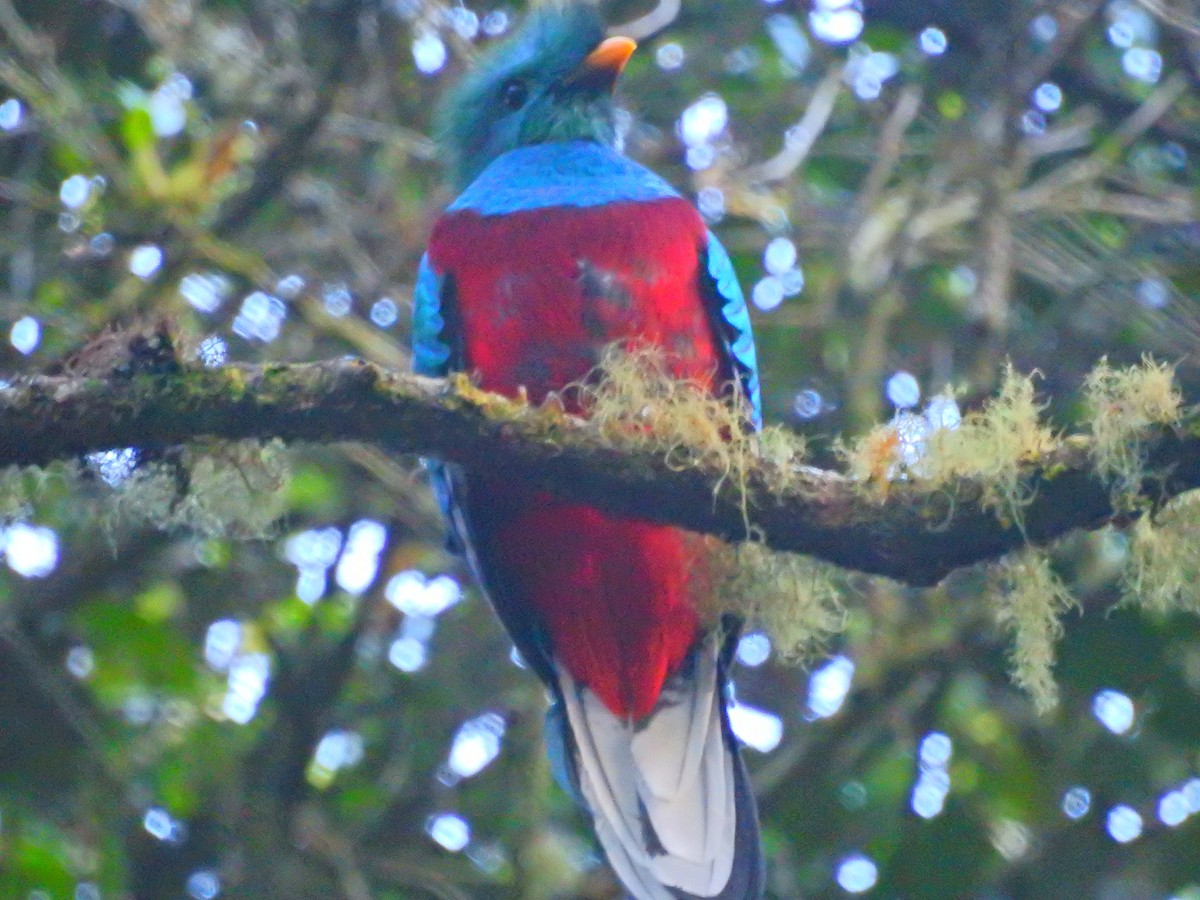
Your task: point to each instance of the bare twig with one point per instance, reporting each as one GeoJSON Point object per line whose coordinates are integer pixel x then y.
{"type": "Point", "coordinates": [1046, 191]}
{"type": "Point", "coordinates": [952, 211]}
{"type": "Point", "coordinates": [1071, 19]}
{"type": "Point", "coordinates": [664, 13]}
{"type": "Point", "coordinates": [1075, 132]}
{"type": "Point", "coordinates": [422, 876]}
{"type": "Point", "coordinates": [389, 133]}
{"type": "Point", "coordinates": [1068, 187]}
{"type": "Point", "coordinates": [45, 87]}
{"type": "Point", "coordinates": [319, 837]}
{"type": "Point", "coordinates": [14, 191]}
{"type": "Point", "coordinates": [801, 136]}
{"type": "Point", "coordinates": [990, 302]}
{"type": "Point", "coordinates": [1177, 16]}
{"type": "Point", "coordinates": [289, 148]}
{"type": "Point", "coordinates": [889, 147]}
{"type": "Point", "coordinates": [1174, 209]}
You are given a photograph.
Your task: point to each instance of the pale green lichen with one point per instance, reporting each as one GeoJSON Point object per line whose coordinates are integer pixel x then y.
{"type": "Point", "coordinates": [1163, 572]}
{"type": "Point", "coordinates": [632, 400]}
{"type": "Point", "coordinates": [14, 495]}
{"type": "Point", "coordinates": [796, 600]}
{"type": "Point", "coordinates": [993, 444]}
{"type": "Point", "coordinates": [22, 487]}
{"type": "Point", "coordinates": [1033, 600]}
{"type": "Point", "coordinates": [635, 401]}
{"type": "Point", "coordinates": [1124, 405]}
{"type": "Point", "coordinates": [223, 490]}
{"type": "Point", "coordinates": [990, 447]}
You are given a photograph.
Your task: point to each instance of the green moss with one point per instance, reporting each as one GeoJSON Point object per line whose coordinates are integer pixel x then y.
{"type": "Point", "coordinates": [235, 381]}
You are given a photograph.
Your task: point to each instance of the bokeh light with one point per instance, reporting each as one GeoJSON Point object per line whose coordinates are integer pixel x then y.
{"type": "Point", "coordinates": [933, 41]}
{"type": "Point", "coordinates": [359, 562]}
{"type": "Point", "coordinates": [205, 291]}
{"type": "Point", "coordinates": [145, 260]}
{"type": "Point", "coordinates": [203, 885]}
{"type": "Point", "coordinates": [836, 21]}
{"type": "Point", "coordinates": [1124, 824]}
{"type": "Point", "coordinates": [1076, 802]}
{"type": "Point", "coordinates": [11, 114]}
{"type": "Point", "coordinates": [25, 335]}
{"type": "Point", "coordinates": [857, 873]}
{"type": "Point", "coordinates": [429, 52]}
{"type": "Point", "coordinates": [669, 56]}
{"type": "Point", "coordinates": [260, 317]}
{"type": "Point", "coordinates": [903, 390]}
{"type": "Point", "coordinates": [476, 743]}
{"type": "Point", "coordinates": [757, 728]}
{"type": "Point", "coordinates": [753, 649]}
{"type": "Point", "coordinates": [1114, 711]}
{"type": "Point", "coordinates": [828, 687]}
{"type": "Point", "coordinates": [30, 550]}
{"type": "Point", "coordinates": [450, 830]}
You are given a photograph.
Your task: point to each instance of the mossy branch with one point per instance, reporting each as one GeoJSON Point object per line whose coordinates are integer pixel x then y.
{"type": "Point", "coordinates": [913, 534]}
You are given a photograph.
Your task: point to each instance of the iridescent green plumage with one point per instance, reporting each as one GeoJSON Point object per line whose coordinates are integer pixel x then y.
{"type": "Point", "coordinates": [540, 66]}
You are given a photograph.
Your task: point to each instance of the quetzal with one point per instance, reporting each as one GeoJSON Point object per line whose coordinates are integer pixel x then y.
{"type": "Point", "coordinates": [557, 247]}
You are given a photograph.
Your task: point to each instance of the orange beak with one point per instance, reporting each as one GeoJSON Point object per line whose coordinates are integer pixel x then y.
{"type": "Point", "coordinates": [604, 65]}
{"type": "Point", "coordinates": [611, 55]}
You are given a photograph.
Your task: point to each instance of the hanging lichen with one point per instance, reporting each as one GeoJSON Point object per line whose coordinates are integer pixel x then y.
{"type": "Point", "coordinates": [15, 494]}
{"type": "Point", "coordinates": [232, 490]}
{"type": "Point", "coordinates": [796, 600]}
{"type": "Point", "coordinates": [1032, 602]}
{"type": "Point", "coordinates": [1163, 574]}
{"type": "Point", "coordinates": [1124, 404]}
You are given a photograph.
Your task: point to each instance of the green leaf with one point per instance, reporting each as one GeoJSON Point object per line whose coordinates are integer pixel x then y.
{"type": "Point", "coordinates": [137, 129]}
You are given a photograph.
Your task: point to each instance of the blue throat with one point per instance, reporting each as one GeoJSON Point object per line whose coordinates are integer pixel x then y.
{"type": "Point", "coordinates": [575, 173]}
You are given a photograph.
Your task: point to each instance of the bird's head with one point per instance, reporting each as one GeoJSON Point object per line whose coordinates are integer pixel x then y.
{"type": "Point", "coordinates": [552, 81]}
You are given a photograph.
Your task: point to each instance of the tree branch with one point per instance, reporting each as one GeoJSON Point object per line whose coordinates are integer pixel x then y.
{"type": "Point", "coordinates": [915, 535]}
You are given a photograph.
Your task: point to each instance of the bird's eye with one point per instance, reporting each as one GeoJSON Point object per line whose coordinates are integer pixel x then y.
{"type": "Point", "coordinates": [514, 93]}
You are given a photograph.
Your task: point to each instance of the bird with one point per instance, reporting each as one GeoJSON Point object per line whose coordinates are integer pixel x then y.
{"type": "Point", "coordinates": [557, 247]}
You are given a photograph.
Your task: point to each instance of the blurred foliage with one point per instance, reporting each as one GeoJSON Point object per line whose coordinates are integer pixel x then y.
{"type": "Point", "coordinates": [920, 188]}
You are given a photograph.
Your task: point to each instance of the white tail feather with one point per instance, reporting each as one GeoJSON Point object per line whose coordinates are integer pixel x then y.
{"type": "Point", "coordinates": [662, 790]}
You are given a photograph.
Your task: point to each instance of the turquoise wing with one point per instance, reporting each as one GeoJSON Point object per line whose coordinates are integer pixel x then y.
{"type": "Point", "coordinates": [430, 343]}
{"type": "Point", "coordinates": [732, 318]}
{"type": "Point", "coordinates": [431, 351]}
